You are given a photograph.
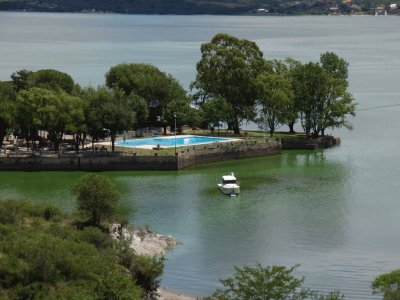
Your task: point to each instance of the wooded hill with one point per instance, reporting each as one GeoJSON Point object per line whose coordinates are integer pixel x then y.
{"type": "Point", "coordinates": [220, 7]}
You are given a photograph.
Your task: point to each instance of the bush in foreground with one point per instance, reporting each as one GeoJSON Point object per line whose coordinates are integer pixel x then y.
{"type": "Point", "coordinates": [97, 197]}
{"type": "Point", "coordinates": [264, 283]}
{"type": "Point", "coordinates": [44, 256]}
{"type": "Point", "coordinates": [388, 285]}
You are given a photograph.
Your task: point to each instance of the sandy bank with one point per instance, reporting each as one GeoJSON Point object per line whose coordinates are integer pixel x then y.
{"type": "Point", "coordinates": [148, 243]}
{"type": "Point", "coordinates": [169, 295]}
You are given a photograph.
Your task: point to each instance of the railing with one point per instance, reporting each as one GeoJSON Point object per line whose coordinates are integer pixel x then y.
{"type": "Point", "coordinates": [46, 153]}
{"type": "Point", "coordinates": [124, 151]}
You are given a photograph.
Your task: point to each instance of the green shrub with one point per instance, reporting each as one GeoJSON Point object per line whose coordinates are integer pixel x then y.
{"type": "Point", "coordinates": [388, 285]}
{"type": "Point", "coordinates": [147, 271]}
{"type": "Point", "coordinates": [47, 263]}
{"type": "Point", "coordinates": [21, 209]}
{"type": "Point", "coordinates": [124, 253]}
{"type": "Point", "coordinates": [6, 216]}
{"type": "Point", "coordinates": [97, 197]}
{"type": "Point", "coordinates": [264, 283]}
{"type": "Point", "coordinates": [44, 256]}
{"type": "Point", "coordinates": [118, 286]}
{"type": "Point", "coordinates": [51, 212]}
{"type": "Point", "coordinates": [96, 237]}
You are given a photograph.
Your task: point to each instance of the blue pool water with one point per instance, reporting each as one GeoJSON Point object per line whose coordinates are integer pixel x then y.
{"type": "Point", "coordinates": [186, 140]}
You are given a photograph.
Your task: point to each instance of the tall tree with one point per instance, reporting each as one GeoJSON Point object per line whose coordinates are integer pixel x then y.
{"type": "Point", "coordinates": [227, 69]}
{"type": "Point", "coordinates": [310, 90]}
{"type": "Point", "coordinates": [47, 110]}
{"type": "Point", "coordinates": [26, 121]}
{"type": "Point", "coordinates": [94, 120]}
{"type": "Point", "coordinates": [181, 111]}
{"type": "Point", "coordinates": [339, 102]}
{"type": "Point", "coordinates": [275, 96]}
{"type": "Point", "coordinates": [20, 80]}
{"type": "Point", "coordinates": [335, 66]}
{"type": "Point", "coordinates": [78, 124]}
{"type": "Point", "coordinates": [148, 82]}
{"type": "Point", "coordinates": [140, 109]}
{"type": "Point", "coordinates": [51, 79]}
{"type": "Point", "coordinates": [322, 94]}
{"type": "Point", "coordinates": [7, 108]}
{"type": "Point", "coordinates": [286, 68]}
{"type": "Point", "coordinates": [215, 112]}
{"type": "Point", "coordinates": [111, 110]}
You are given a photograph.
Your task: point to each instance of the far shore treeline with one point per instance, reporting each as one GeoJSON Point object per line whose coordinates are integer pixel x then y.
{"type": "Point", "coordinates": [209, 7]}
{"type": "Point", "coordinates": [234, 83]}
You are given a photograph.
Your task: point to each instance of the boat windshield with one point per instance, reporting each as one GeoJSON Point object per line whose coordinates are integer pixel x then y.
{"type": "Point", "coordinates": [228, 181]}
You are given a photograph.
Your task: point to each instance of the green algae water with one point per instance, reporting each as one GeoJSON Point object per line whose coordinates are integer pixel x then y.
{"type": "Point", "coordinates": [335, 212]}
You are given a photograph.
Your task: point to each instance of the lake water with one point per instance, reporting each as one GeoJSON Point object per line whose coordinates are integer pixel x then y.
{"type": "Point", "coordinates": [335, 212]}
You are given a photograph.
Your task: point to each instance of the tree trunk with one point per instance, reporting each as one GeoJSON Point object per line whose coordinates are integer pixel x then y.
{"type": "Point", "coordinates": [77, 139]}
{"type": "Point", "coordinates": [2, 132]}
{"type": "Point", "coordinates": [291, 127]}
{"type": "Point", "coordinates": [112, 135]}
{"type": "Point", "coordinates": [2, 135]}
{"type": "Point", "coordinates": [56, 144]}
{"type": "Point", "coordinates": [83, 139]}
{"type": "Point", "coordinates": [235, 127]}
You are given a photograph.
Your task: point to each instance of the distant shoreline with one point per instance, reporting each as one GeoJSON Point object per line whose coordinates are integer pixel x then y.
{"type": "Point", "coordinates": [301, 14]}
{"type": "Point", "coordinates": [176, 14]}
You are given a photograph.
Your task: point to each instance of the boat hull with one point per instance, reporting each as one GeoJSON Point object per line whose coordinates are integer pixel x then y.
{"type": "Point", "coordinates": [229, 189]}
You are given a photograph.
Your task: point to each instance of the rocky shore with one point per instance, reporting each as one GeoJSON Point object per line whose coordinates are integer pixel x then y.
{"type": "Point", "coordinates": [144, 241]}
{"type": "Point", "coordinates": [148, 243]}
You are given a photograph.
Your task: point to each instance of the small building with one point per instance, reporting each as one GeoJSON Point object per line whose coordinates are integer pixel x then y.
{"type": "Point", "coordinates": [380, 10]}
{"type": "Point", "coordinates": [334, 10]}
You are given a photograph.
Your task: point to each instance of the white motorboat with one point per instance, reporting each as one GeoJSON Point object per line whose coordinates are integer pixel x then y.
{"type": "Point", "coordinates": [229, 185]}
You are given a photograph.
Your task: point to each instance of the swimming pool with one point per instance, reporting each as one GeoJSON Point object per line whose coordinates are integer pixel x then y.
{"type": "Point", "coordinates": [183, 140]}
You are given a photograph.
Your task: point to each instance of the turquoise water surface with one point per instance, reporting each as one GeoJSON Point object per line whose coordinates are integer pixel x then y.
{"type": "Point", "coordinates": [171, 141]}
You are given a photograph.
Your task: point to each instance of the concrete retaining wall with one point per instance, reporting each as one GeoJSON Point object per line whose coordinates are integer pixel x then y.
{"type": "Point", "coordinates": [247, 149]}
{"type": "Point", "coordinates": [319, 143]}
{"type": "Point", "coordinates": [185, 158]}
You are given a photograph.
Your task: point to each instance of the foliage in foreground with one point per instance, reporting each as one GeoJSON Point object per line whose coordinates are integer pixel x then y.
{"type": "Point", "coordinates": [263, 283]}
{"type": "Point", "coordinates": [388, 285]}
{"type": "Point", "coordinates": [44, 255]}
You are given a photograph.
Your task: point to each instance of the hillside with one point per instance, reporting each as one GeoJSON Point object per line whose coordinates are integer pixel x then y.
{"type": "Point", "coordinates": [220, 7]}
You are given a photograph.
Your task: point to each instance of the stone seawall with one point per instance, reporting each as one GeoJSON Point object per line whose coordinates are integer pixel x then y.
{"type": "Point", "coordinates": [186, 157]}
{"type": "Point", "coordinates": [88, 163]}
{"type": "Point", "coordinates": [314, 144]}
{"type": "Point", "coordinates": [220, 152]}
